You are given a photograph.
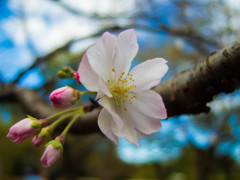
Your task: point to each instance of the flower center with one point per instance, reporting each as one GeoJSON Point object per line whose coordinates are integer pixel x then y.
{"type": "Point", "coordinates": [122, 89]}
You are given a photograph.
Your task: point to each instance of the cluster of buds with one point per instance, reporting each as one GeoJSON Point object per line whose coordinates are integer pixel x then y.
{"type": "Point", "coordinates": [28, 128]}
{"type": "Point", "coordinates": [41, 130]}
{"type": "Point", "coordinates": [67, 72]}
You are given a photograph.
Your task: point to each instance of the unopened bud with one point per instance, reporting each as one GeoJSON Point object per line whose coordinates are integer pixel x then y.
{"type": "Point", "coordinates": [64, 97]}
{"type": "Point", "coordinates": [76, 76]}
{"type": "Point", "coordinates": [51, 153]}
{"type": "Point", "coordinates": [23, 129]}
{"type": "Point", "coordinates": [40, 139]}
{"type": "Point", "coordinates": [61, 74]}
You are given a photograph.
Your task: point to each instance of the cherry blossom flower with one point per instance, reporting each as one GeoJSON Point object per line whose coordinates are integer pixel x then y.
{"type": "Point", "coordinates": [130, 108]}
{"type": "Point", "coordinates": [64, 97]}
{"type": "Point", "coordinates": [23, 129]}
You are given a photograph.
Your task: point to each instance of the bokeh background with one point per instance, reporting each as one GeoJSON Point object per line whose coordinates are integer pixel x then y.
{"type": "Point", "coordinates": [39, 37]}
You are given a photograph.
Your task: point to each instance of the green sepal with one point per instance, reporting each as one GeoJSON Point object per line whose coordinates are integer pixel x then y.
{"type": "Point", "coordinates": [45, 134]}
{"type": "Point", "coordinates": [36, 124]}
{"type": "Point", "coordinates": [32, 118]}
{"type": "Point", "coordinates": [56, 144]}
{"type": "Point", "coordinates": [62, 74]}
{"type": "Point", "coordinates": [76, 95]}
{"type": "Point", "coordinates": [68, 86]}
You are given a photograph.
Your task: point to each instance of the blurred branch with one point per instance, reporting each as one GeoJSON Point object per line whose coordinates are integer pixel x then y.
{"type": "Point", "coordinates": [78, 12]}
{"type": "Point", "coordinates": [186, 93]}
{"type": "Point", "coordinates": [197, 40]}
{"type": "Point", "coordinates": [45, 58]}
{"type": "Point", "coordinates": [190, 35]}
{"type": "Point", "coordinates": [186, 28]}
{"type": "Point", "coordinates": [62, 48]}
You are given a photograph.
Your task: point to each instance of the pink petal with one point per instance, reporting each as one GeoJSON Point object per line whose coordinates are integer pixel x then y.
{"type": "Point", "coordinates": [87, 76]}
{"type": "Point", "coordinates": [105, 122]}
{"type": "Point", "coordinates": [151, 104]}
{"type": "Point", "coordinates": [149, 73]}
{"type": "Point", "coordinates": [126, 50]}
{"type": "Point", "coordinates": [110, 106]}
{"type": "Point", "coordinates": [101, 54]}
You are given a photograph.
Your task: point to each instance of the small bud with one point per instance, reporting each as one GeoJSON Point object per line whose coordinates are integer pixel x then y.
{"type": "Point", "coordinates": [76, 76]}
{"type": "Point", "coordinates": [23, 129]}
{"type": "Point", "coordinates": [64, 97]}
{"type": "Point", "coordinates": [61, 74]}
{"type": "Point", "coordinates": [51, 153]}
{"type": "Point", "coordinates": [40, 139]}
{"type": "Point", "coordinates": [66, 72]}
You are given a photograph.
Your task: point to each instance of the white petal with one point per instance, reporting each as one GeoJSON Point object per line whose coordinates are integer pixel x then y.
{"type": "Point", "coordinates": [149, 73]}
{"type": "Point", "coordinates": [126, 50]}
{"type": "Point", "coordinates": [128, 131]}
{"type": "Point", "coordinates": [100, 94]}
{"type": "Point", "coordinates": [151, 104]}
{"type": "Point", "coordinates": [111, 130]}
{"type": "Point", "coordinates": [105, 122]}
{"type": "Point", "coordinates": [101, 54]}
{"type": "Point", "coordinates": [103, 87]}
{"type": "Point", "coordinates": [121, 127]}
{"type": "Point", "coordinates": [145, 124]}
{"type": "Point", "coordinates": [111, 107]}
{"type": "Point", "coordinates": [87, 76]}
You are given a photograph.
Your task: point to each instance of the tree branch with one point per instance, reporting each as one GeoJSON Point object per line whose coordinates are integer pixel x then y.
{"type": "Point", "coordinates": [190, 90]}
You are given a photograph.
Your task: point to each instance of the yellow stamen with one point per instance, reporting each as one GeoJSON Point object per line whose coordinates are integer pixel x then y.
{"type": "Point", "coordinates": [122, 89]}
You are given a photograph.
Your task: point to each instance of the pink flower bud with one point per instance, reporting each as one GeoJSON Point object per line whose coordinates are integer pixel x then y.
{"type": "Point", "coordinates": [76, 75]}
{"type": "Point", "coordinates": [38, 140]}
{"type": "Point", "coordinates": [50, 155]}
{"type": "Point", "coordinates": [64, 97]}
{"type": "Point", "coordinates": [23, 129]}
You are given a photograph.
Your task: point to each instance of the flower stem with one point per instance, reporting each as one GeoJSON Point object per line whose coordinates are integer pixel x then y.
{"type": "Point", "coordinates": [65, 131]}
{"type": "Point", "coordinates": [88, 92]}
{"type": "Point", "coordinates": [62, 112]}
{"type": "Point", "coordinates": [57, 122]}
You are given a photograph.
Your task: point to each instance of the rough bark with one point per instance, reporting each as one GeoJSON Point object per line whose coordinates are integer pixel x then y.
{"type": "Point", "coordinates": [190, 90]}
{"type": "Point", "coordinates": [186, 93]}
